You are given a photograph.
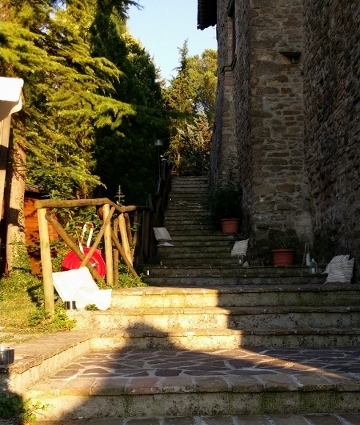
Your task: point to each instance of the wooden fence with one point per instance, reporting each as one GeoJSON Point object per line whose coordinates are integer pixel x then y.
{"type": "Point", "coordinates": [127, 233]}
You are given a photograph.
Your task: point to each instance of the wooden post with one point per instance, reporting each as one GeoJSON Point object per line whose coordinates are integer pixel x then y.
{"type": "Point", "coordinates": [4, 146]}
{"type": "Point", "coordinates": [71, 244]}
{"type": "Point", "coordinates": [128, 228]}
{"type": "Point", "coordinates": [116, 255]}
{"type": "Point", "coordinates": [136, 235]}
{"type": "Point", "coordinates": [123, 255]}
{"type": "Point", "coordinates": [46, 261]}
{"type": "Point", "coordinates": [108, 248]}
{"type": "Point", "coordinates": [106, 222]}
{"type": "Point", "coordinates": [124, 238]}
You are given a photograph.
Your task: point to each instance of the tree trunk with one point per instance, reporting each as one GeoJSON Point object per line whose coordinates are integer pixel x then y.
{"type": "Point", "coordinates": [16, 253]}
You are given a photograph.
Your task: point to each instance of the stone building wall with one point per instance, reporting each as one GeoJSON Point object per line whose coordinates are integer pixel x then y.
{"type": "Point", "coordinates": [277, 118]}
{"type": "Point", "coordinates": [242, 107]}
{"type": "Point", "coordinates": [267, 86]}
{"type": "Point", "coordinates": [223, 150]}
{"type": "Point", "coordinates": [332, 123]}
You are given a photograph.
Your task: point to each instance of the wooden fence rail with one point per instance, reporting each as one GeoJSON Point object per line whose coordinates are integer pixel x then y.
{"type": "Point", "coordinates": [120, 232]}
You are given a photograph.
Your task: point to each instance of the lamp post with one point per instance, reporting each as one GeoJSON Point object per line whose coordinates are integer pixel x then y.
{"type": "Point", "coordinates": [159, 144]}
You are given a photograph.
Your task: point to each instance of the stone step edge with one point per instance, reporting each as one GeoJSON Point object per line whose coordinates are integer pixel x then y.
{"type": "Point", "coordinates": [274, 419]}
{"type": "Point", "coordinates": [168, 291]}
{"type": "Point", "coordinates": [258, 270]}
{"type": "Point", "coordinates": [213, 311]}
{"type": "Point", "coordinates": [216, 332]}
{"type": "Point", "coordinates": [43, 355]}
{"type": "Point", "coordinates": [258, 383]}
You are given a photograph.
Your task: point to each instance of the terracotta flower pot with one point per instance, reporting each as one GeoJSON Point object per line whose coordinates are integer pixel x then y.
{"type": "Point", "coordinates": [283, 257]}
{"type": "Point", "coordinates": [230, 225]}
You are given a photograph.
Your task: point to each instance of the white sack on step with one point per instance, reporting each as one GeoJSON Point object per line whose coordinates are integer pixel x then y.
{"type": "Point", "coordinates": [100, 297]}
{"type": "Point", "coordinates": [162, 236]}
{"type": "Point", "coordinates": [340, 269]}
{"type": "Point", "coordinates": [240, 248]}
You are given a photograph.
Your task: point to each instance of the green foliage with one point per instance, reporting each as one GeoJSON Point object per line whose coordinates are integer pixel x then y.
{"type": "Point", "coordinates": [19, 280]}
{"type": "Point", "coordinates": [69, 87]}
{"type": "Point", "coordinates": [225, 201]}
{"type": "Point", "coordinates": [59, 322]}
{"type": "Point", "coordinates": [120, 197]}
{"type": "Point", "coordinates": [20, 257]}
{"type": "Point", "coordinates": [203, 71]}
{"type": "Point", "coordinates": [91, 307]}
{"type": "Point", "coordinates": [283, 239]}
{"type": "Point", "coordinates": [191, 94]}
{"type": "Point", "coordinates": [127, 280]}
{"type": "Point", "coordinates": [126, 157]}
{"type": "Point", "coordinates": [194, 147]}
{"type": "Point", "coordinates": [12, 406]}
{"type": "Point", "coordinates": [30, 410]}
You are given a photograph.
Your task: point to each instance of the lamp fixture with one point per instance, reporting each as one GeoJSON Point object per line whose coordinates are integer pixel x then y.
{"type": "Point", "coordinates": [158, 143]}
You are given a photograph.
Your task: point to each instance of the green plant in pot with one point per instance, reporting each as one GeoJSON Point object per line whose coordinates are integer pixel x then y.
{"type": "Point", "coordinates": [225, 205]}
{"type": "Point", "coordinates": [282, 245]}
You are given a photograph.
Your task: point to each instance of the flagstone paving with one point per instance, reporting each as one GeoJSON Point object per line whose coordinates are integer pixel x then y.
{"type": "Point", "coordinates": [181, 363]}
{"type": "Point", "coordinates": [165, 371]}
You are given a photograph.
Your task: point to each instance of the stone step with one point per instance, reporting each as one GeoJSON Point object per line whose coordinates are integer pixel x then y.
{"type": "Point", "coordinates": [215, 339]}
{"type": "Point", "coordinates": [240, 296]}
{"type": "Point", "coordinates": [225, 281]}
{"type": "Point", "coordinates": [190, 187]}
{"type": "Point", "coordinates": [177, 215]}
{"type": "Point", "coordinates": [238, 318]}
{"type": "Point", "coordinates": [214, 238]}
{"type": "Point", "coordinates": [186, 195]}
{"type": "Point", "coordinates": [180, 200]}
{"type": "Point", "coordinates": [280, 419]}
{"type": "Point", "coordinates": [185, 226]}
{"type": "Point", "coordinates": [184, 242]}
{"type": "Point", "coordinates": [195, 216]}
{"type": "Point", "coordinates": [225, 274]}
{"type": "Point", "coordinates": [210, 260]}
{"type": "Point", "coordinates": [187, 209]}
{"type": "Point", "coordinates": [177, 384]}
{"type": "Point", "coordinates": [180, 252]}
{"type": "Point", "coordinates": [194, 182]}
{"type": "Point", "coordinates": [195, 234]}
{"type": "Point", "coordinates": [189, 250]}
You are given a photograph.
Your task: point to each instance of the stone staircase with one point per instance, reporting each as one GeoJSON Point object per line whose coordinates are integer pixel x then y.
{"type": "Point", "coordinates": [209, 342]}
{"type": "Point", "coordinates": [200, 255]}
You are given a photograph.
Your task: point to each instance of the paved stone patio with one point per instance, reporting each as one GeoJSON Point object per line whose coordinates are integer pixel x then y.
{"type": "Point", "coordinates": [328, 363]}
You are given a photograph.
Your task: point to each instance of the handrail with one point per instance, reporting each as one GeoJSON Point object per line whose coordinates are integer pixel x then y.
{"type": "Point", "coordinates": [119, 231]}
{"type": "Point", "coordinates": [157, 203]}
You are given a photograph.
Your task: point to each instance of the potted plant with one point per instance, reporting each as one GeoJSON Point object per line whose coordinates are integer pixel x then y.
{"type": "Point", "coordinates": [283, 247]}
{"type": "Point", "coordinates": [225, 204]}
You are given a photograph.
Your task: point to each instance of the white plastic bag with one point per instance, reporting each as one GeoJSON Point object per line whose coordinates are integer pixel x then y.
{"type": "Point", "coordinates": [340, 269]}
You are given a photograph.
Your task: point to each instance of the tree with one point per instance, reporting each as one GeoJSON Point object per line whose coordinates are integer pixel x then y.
{"type": "Point", "coordinates": [194, 146]}
{"type": "Point", "coordinates": [67, 95]}
{"type": "Point", "coordinates": [192, 94]}
{"type": "Point", "coordinates": [126, 157]}
{"type": "Point", "coordinates": [203, 70]}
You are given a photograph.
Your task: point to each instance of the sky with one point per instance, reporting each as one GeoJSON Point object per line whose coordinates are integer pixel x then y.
{"type": "Point", "coordinates": [162, 26]}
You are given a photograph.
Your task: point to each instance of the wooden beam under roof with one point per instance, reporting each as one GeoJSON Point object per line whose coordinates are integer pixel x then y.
{"type": "Point", "coordinates": [207, 15]}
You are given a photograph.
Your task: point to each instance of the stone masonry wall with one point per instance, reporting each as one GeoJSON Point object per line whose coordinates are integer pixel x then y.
{"type": "Point", "coordinates": [264, 131]}
{"type": "Point", "coordinates": [280, 185]}
{"type": "Point", "coordinates": [223, 151]}
{"type": "Point", "coordinates": [332, 130]}
{"type": "Point", "coordinates": [242, 107]}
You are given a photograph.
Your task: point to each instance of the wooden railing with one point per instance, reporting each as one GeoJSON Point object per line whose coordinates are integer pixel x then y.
{"type": "Point", "coordinates": [127, 232]}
